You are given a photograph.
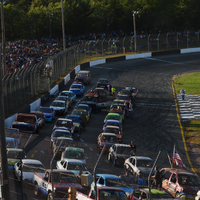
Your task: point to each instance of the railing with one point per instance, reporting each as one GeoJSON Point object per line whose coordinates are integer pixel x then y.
{"type": "Point", "coordinates": [21, 87]}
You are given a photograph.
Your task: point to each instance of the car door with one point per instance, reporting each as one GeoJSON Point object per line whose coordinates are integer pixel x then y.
{"type": "Point", "coordinates": [172, 184]}
{"type": "Point", "coordinates": [166, 181]}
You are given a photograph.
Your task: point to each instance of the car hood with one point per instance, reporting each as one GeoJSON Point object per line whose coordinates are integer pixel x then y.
{"type": "Point", "coordinates": [57, 108]}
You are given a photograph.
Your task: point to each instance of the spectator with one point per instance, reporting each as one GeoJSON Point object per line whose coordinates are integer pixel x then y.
{"type": "Point", "coordinates": [132, 145]}
{"type": "Point", "coordinates": [157, 182]}
{"type": "Point", "coordinates": [79, 176]}
{"type": "Point", "coordinates": [83, 120]}
{"type": "Point", "coordinates": [129, 179]}
{"type": "Point", "coordinates": [182, 93]}
{"type": "Point", "coordinates": [109, 86]}
{"type": "Point", "coordinates": [131, 110]}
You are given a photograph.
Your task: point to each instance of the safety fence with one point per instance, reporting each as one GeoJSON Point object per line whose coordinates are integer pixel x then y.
{"type": "Point", "coordinates": [22, 86]}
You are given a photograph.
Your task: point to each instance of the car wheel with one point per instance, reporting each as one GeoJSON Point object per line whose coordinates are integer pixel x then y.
{"type": "Point", "coordinates": [36, 190]}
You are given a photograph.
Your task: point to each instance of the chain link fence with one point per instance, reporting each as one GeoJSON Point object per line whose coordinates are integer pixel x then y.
{"type": "Point", "coordinates": [22, 86]}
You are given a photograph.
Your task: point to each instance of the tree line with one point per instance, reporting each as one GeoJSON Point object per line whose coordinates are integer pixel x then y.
{"type": "Point", "coordinates": [33, 19]}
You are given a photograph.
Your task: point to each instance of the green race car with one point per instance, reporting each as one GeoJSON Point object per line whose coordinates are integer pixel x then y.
{"type": "Point", "coordinates": [113, 116]}
{"type": "Point", "coordinates": [14, 155]}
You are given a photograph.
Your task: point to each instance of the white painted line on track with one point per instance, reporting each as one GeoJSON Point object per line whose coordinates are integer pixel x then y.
{"type": "Point", "coordinates": [166, 61]}
{"type": "Point", "coordinates": [151, 104]}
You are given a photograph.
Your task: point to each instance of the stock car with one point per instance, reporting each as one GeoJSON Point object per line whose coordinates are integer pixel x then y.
{"type": "Point", "coordinates": [74, 153]}
{"type": "Point", "coordinates": [76, 121]}
{"type": "Point", "coordinates": [102, 82]}
{"type": "Point", "coordinates": [28, 167]}
{"type": "Point", "coordinates": [40, 117]}
{"type": "Point", "coordinates": [60, 107]}
{"type": "Point", "coordinates": [139, 166]}
{"type": "Point", "coordinates": [143, 194]}
{"type": "Point", "coordinates": [66, 124]}
{"type": "Point", "coordinates": [73, 165]}
{"type": "Point", "coordinates": [65, 98]}
{"type": "Point", "coordinates": [83, 76]}
{"type": "Point", "coordinates": [116, 130]}
{"type": "Point", "coordinates": [85, 107]}
{"type": "Point", "coordinates": [79, 111]}
{"type": "Point", "coordinates": [111, 122]}
{"type": "Point", "coordinates": [14, 155]}
{"type": "Point", "coordinates": [180, 183]}
{"type": "Point", "coordinates": [59, 133]}
{"type": "Point", "coordinates": [77, 89]}
{"type": "Point", "coordinates": [111, 180]}
{"type": "Point", "coordinates": [120, 110]}
{"type": "Point", "coordinates": [107, 140]}
{"type": "Point", "coordinates": [69, 94]}
{"type": "Point", "coordinates": [48, 112]}
{"type": "Point", "coordinates": [117, 102]}
{"type": "Point", "coordinates": [100, 91]}
{"type": "Point", "coordinates": [113, 116]}
{"type": "Point", "coordinates": [124, 98]}
{"type": "Point", "coordinates": [118, 153]}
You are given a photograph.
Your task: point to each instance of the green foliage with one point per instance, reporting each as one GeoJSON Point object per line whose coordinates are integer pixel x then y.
{"type": "Point", "coordinates": [35, 18]}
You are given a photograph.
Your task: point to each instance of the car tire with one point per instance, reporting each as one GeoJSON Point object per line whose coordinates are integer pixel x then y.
{"type": "Point", "coordinates": [36, 190]}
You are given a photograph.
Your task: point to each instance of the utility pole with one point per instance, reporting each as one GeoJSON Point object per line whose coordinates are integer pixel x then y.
{"type": "Point", "coordinates": [134, 26]}
{"type": "Point", "coordinates": [63, 25]}
{"type": "Point", "coordinates": [5, 190]}
{"type": "Point", "coordinates": [3, 39]}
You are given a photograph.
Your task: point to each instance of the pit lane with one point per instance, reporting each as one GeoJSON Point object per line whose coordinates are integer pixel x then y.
{"type": "Point", "coordinates": [154, 127]}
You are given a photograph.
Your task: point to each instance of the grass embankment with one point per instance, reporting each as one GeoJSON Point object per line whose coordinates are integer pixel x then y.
{"type": "Point", "coordinates": [190, 83]}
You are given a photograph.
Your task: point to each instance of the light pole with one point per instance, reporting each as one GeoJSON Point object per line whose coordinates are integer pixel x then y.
{"type": "Point", "coordinates": [63, 25]}
{"type": "Point", "coordinates": [134, 25]}
{"type": "Point", "coordinates": [50, 24]}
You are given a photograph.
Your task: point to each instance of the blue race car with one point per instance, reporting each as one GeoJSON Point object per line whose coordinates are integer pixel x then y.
{"type": "Point", "coordinates": [70, 94]}
{"type": "Point", "coordinates": [110, 180]}
{"type": "Point", "coordinates": [48, 112]}
{"type": "Point", "coordinates": [111, 122]}
{"type": "Point", "coordinates": [85, 107]}
{"type": "Point", "coordinates": [77, 88]}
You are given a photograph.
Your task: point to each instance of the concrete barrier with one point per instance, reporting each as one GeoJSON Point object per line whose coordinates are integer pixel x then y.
{"type": "Point", "coordinates": [54, 90]}
{"type": "Point", "coordinates": [10, 120]}
{"type": "Point", "coordinates": [97, 62]}
{"type": "Point", "coordinates": [142, 55]}
{"type": "Point", "coordinates": [77, 68]}
{"type": "Point", "coordinates": [66, 79]}
{"type": "Point", "coordinates": [190, 50]}
{"type": "Point", "coordinates": [35, 105]}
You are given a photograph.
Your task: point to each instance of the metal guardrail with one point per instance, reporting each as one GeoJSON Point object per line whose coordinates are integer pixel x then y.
{"type": "Point", "coordinates": [22, 86]}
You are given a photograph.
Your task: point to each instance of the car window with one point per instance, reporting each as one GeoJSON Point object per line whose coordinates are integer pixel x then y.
{"type": "Point", "coordinates": [136, 193]}
{"type": "Point", "coordinates": [167, 175]}
{"type": "Point", "coordinates": [144, 195]}
{"type": "Point", "coordinates": [173, 178]}
{"type": "Point", "coordinates": [101, 181]}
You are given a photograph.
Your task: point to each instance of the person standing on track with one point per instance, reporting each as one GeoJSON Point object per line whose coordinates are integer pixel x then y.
{"type": "Point", "coordinates": [131, 109]}
{"type": "Point", "coordinates": [109, 86]}
{"type": "Point", "coordinates": [182, 93]}
{"type": "Point", "coordinates": [83, 120]}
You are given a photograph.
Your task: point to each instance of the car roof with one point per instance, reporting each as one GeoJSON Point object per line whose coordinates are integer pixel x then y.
{"type": "Point", "coordinates": [122, 145]}
{"type": "Point", "coordinates": [113, 114]}
{"type": "Point", "coordinates": [66, 91]}
{"type": "Point", "coordinates": [61, 130]}
{"type": "Point", "coordinates": [59, 101]}
{"type": "Point", "coordinates": [64, 119]}
{"type": "Point", "coordinates": [99, 88]}
{"type": "Point", "coordinates": [36, 111]}
{"type": "Point", "coordinates": [83, 71]}
{"type": "Point", "coordinates": [179, 171]}
{"type": "Point", "coordinates": [77, 116]}
{"type": "Point", "coordinates": [141, 158]}
{"type": "Point", "coordinates": [114, 127]}
{"type": "Point", "coordinates": [74, 149]}
{"type": "Point", "coordinates": [82, 104]}
{"type": "Point", "coordinates": [27, 114]}
{"type": "Point", "coordinates": [31, 161]}
{"type": "Point", "coordinates": [109, 176]}
{"type": "Point", "coordinates": [14, 149]}
{"type": "Point", "coordinates": [111, 134]}
{"type": "Point", "coordinates": [64, 138]}
{"type": "Point", "coordinates": [114, 121]}
{"type": "Point", "coordinates": [73, 160]}
{"type": "Point", "coordinates": [80, 109]}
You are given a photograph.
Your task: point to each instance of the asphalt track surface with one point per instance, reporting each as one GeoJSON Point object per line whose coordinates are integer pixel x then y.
{"type": "Point", "coordinates": [154, 127]}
